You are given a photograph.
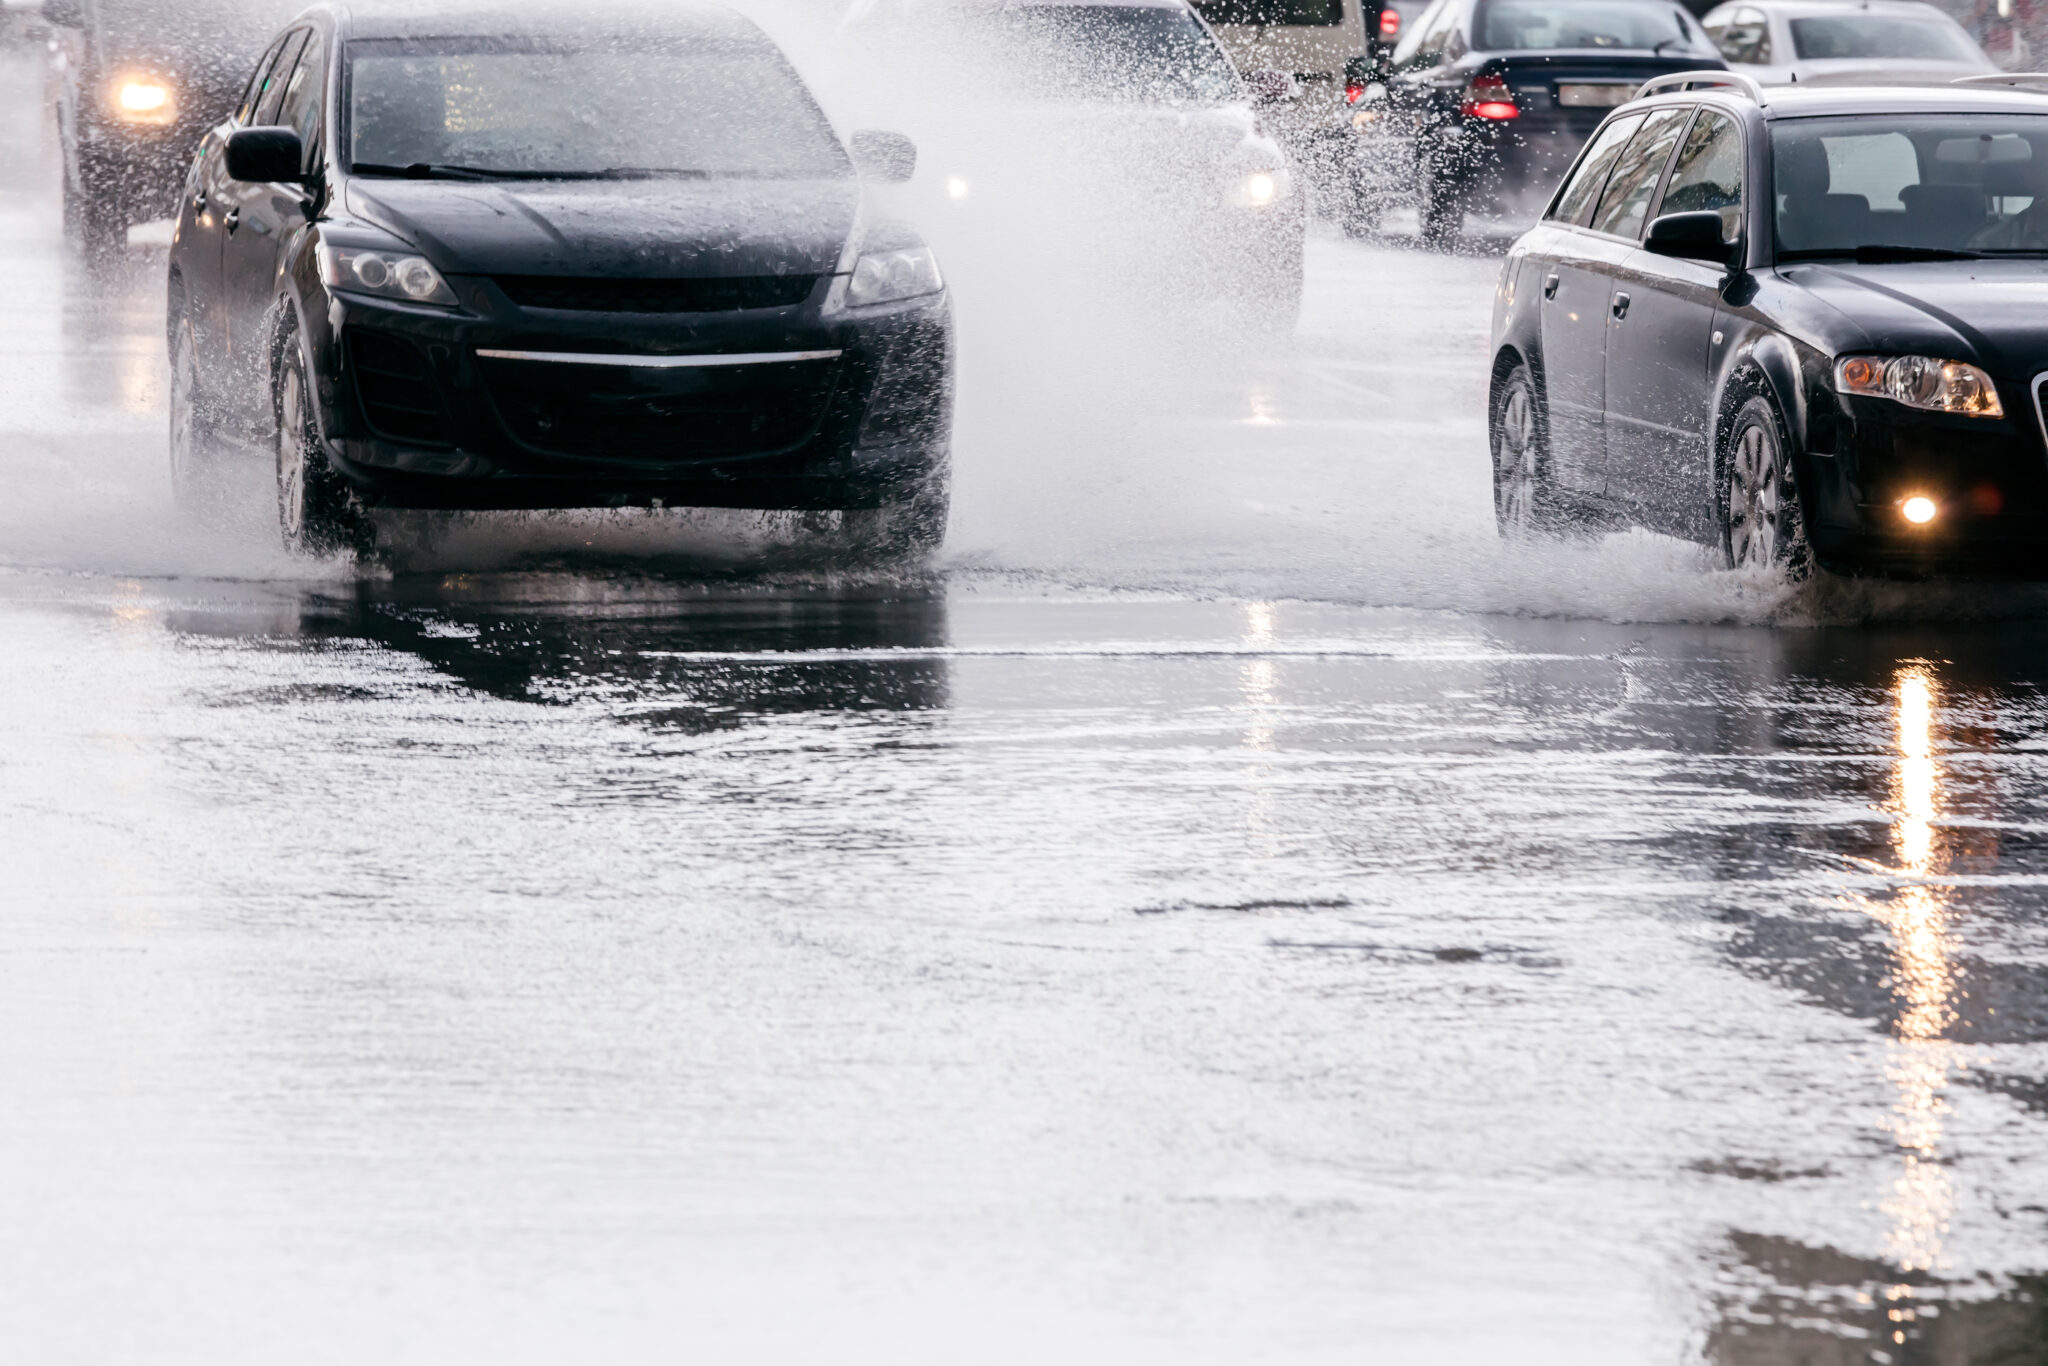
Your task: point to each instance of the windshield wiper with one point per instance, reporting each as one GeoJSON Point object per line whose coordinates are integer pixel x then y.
{"type": "Point", "coordinates": [1876, 255]}
{"type": "Point", "coordinates": [420, 170]}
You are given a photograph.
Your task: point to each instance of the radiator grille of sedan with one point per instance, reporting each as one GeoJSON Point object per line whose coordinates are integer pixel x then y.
{"type": "Point", "coordinates": [636, 415]}
{"type": "Point", "coordinates": [400, 400]}
{"type": "Point", "coordinates": [657, 296]}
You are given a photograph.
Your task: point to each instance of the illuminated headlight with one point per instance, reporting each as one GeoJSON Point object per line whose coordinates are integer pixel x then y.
{"type": "Point", "coordinates": [957, 187]}
{"type": "Point", "coordinates": [142, 99]}
{"type": "Point", "coordinates": [885, 277]}
{"type": "Point", "coordinates": [1258, 189]}
{"type": "Point", "coordinates": [385, 273]}
{"type": "Point", "coordinates": [1938, 386]}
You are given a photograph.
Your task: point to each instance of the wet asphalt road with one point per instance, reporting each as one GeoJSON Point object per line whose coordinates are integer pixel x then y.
{"type": "Point", "coordinates": [1229, 911]}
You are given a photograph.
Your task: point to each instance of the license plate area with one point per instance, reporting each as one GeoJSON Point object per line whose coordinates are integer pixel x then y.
{"type": "Point", "coordinates": [1596, 94]}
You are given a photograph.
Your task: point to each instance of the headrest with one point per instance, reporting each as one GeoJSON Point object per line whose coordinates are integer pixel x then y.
{"type": "Point", "coordinates": [1803, 168]}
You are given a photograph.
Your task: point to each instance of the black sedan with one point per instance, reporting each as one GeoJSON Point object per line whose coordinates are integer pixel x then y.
{"type": "Point", "coordinates": [1809, 326]}
{"type": "Point", "coordinates": [597, 260]}
{"type": "Point", "coordinates": [1487, 101]}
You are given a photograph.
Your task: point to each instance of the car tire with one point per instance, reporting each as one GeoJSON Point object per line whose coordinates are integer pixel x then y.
{"type": "Point", "coordinates": [1762, 522]}
{"type": "Point", "coordinates": [1524, 499]}
{"type": "Point", "coordinates": [1363, 207]}
{"type": "Point", "coordinates": [316, 513]}
{"type": "Point", "coordinates": [197, 481]}
{"type": "Point", "coordinates": [907, 525]}
{"type": "Point", "coordinates": [1441, 210]}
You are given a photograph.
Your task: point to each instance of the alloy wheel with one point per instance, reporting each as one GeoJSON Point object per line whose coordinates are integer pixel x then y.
{"type": "Point", "coordinates": [291, 458]}
{"type": "Point", "coordinates": [1756, 501]}
{"type": "Point", "coordinates": [1514, 460]}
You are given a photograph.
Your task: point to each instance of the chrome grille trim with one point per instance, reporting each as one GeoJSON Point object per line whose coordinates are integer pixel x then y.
{"type": "Point", "coordinates": [660, 362]}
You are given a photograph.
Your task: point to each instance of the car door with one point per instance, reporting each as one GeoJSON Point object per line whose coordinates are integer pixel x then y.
{"type": "Point", "coordinates": [196, 248]}
{"type": "Point", "coordinates": [1573, 272]}
{"type": "Point", "coordinates": [254, 218]}
{"type": "Point", "coordinates": [1659, 347]}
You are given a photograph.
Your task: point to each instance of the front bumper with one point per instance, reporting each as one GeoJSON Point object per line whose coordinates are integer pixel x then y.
{"type": "Point", "coordinates": [1988, 479]}
{"type": "Point", "coordinates": [414, 413]}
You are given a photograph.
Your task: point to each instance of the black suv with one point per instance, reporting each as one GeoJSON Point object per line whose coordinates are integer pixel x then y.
{"type": "Point", "coordinates": [1805, 325]}
{"type": "Point", "coordinates": [138, 81]}
{"type": "Point", "coordinates": [1487, 101]}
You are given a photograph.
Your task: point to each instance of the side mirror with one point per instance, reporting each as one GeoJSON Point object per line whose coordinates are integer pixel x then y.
{"type": "Point", "coordinates": [1691, 237]}
{"type": "Point", "coordinates": [266, 155]}
{"type": "Point", "coordinates": [889, 157]}
{"type": "Point", "coordinates": [1272, 87]}
{"type": "Point", "coordinates": [64, 13]}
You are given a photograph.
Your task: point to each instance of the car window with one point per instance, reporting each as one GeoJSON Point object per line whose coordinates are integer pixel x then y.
{"type": "Point", "coordinates": [1708, 173]}
{"type": "Point", "coordinates": [1425, 43]}
{"type": "Point", "coordinates": [1626, 202]}
{"type": "Point", "coordinates": [1743, 36]}
{"type": "Point", "coordinates": [254, 90]}
{"type": "Point", "coordinates": [1872, 39]}
{"type": "Point", "coordinates": [1273, 13]}
{"type": "Point", "coordinates": [1949, 182]}
{"type": "Point", "coordinates": [1543, 25]}
{"type": "Point", "coordinates": [273, 83]}
{"type": "Point", "coordinates": [300, 108]}
{"type": "Point", "coordinates": [578, 107]}
{"type": "Point", "coordinates": [1580, 192]}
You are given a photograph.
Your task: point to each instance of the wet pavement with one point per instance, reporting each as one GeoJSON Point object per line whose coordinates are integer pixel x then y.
{"type": "Point", "coordinates": [1228, 910]}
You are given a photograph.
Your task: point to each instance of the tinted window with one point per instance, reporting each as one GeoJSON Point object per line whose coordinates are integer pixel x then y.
{"type": "Point", "coordinates": [1708, 173]}
{"type": "Point", "coordinates": [1591, 175]}
{"type": "Point", "coordinates": [719, 107]}
{"type": "Point", "coordinates": [1111, 52]}
{"type": "Point", "coordinates": [1425, 42]}
{"type": "Point", "coordinates": [1626, 202]}
{"type": "Point", "coordinates": [1526, 25]}
{"type": "Point", "coordinates": [272, 93]}
{"type": "Point", "coordinates": [254, 90]}
{"type": "Point", "coordinates": [1866, 38]}
{"type": "Point", "coordinates": [300, 108]}
{"type": "Point", "coordinates": [1952, 182]}
{"type": "Point", "coordinates": [1273, 13]}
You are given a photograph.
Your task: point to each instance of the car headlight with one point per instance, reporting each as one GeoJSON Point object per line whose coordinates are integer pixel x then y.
{"type": "Point", "coordinates": [1938, 386]}
{"type": "Point", "coordinates": [143, 99]}
{"type": "Point", "coordinates": [1258, 189]}
{"type": "Point", "coordinates": [887, 277]}
{"type": "Point", "coordinates": [388, 274]}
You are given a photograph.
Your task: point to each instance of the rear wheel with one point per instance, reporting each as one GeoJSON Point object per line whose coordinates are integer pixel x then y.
{"type": "Point", "coordinates": [316, 515]}
{"type": "Point", "coordinates": [1763, 527]}
{"type": "Point", "coordinates": [1524, 503]}
{"type": "Point", "coordinates": [1441, 210]}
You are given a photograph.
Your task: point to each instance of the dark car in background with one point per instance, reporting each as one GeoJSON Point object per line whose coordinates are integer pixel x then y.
{"type": "Point", "coordinates": [554, 259]}
{"type": "Point", "coordinates": [1486, 102]}
{"type": "Point", "coordinates": [1805, 326]}
{"type": "Point", "coordinates": [138, 82]}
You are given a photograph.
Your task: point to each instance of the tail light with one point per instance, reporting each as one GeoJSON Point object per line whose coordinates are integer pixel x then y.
{"type": "Point", "coordinates": [1390, 22]}
{"type": "Point", "coordinates": [1488, 97]}
{"type": "Point", "coordinates": [1353, 93]}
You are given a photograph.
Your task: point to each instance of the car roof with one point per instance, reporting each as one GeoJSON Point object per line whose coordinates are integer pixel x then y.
{"type": "Point", "coordinates": [1845, 101]}
{"type": "Point", "coordinates": [1796, 9]}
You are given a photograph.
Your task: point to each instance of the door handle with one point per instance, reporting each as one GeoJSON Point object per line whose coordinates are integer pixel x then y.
{"type": "Point", "coordinates": [234, 219]}
{"type": "Point", "coordinates": [1620, 307]}
{"type": "Point", "coordinates": [1550, 287]}
{"type": "Point", "coordinates": [199, 201]}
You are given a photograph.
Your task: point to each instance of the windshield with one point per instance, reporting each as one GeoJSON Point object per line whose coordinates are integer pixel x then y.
{"type": "Point", "coordinates": [1273, 13]}
{"type": "Point", "coordinates": [1904, 185]}
{"type": "Point", "coordinates": [1921, 40]}
{"type": "Point", "coordinates": [1152, 55]}
{"type": "Point", "coordinates": [692, 107]}
{"type": "Point", "coordinates": [1525, 25]}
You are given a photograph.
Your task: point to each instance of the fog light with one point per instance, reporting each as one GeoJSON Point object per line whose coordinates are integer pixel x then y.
{"type": "Point", "coordinates": [1918, 510]}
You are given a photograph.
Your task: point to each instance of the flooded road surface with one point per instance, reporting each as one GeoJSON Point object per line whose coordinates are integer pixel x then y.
{"type": "Point", "coordinates": [1161, 933]}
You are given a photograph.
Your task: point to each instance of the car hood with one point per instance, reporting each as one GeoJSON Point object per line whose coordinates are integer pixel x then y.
{"type": "Point", "coordinates": [628, 228]}
{"type": "Point", "coordinates": [1992, 312]}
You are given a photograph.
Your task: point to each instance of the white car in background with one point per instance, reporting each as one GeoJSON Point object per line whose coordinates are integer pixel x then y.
{"type": "Point", "coordinates": [1845, 42]}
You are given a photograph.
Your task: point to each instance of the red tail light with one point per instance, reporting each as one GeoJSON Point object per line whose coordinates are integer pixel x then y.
{"type": "Point", "coordinates": [1390, 22]}
{"type": "Point", "coordinates": [1353, 94]}
{"type": "Point", "coordinates": [1488, 97]}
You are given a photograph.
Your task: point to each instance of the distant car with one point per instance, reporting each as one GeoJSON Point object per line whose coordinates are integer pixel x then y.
{"type": "Point", "coordinates": [1083, 140]}
{"type": "Point", "coordinates": [1845, 42]}
{"type": "Point", "coordinates": [138, 82]}
{"type": "Point", "coordinates": [1487, 101]}
{"type": "Point", "coordinates": [1802, 325]}
{"type": "Point", "coordinates": [560, 260]}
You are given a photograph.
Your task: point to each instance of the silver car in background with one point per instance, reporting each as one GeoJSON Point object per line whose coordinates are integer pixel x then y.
{"type": "Point", "coordinates": [1845, 42]}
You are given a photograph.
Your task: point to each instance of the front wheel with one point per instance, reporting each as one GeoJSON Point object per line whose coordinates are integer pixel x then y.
{"type": "Point", "coordinates": [315, 513]}
{"type": "Point", "coordinates": [1763, 527]}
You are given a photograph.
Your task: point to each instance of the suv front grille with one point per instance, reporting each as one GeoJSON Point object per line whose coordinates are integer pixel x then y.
{"type": "Point", "coordinates": [657, 296]}
{"type": "Point", "coordinates": [400, 400]}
